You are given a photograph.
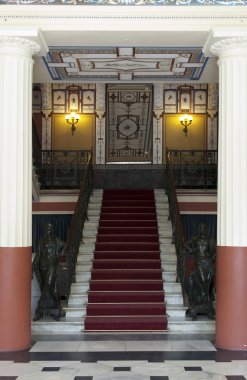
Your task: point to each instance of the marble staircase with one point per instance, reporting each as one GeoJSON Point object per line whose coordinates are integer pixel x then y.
{"type": "Point", "coordinates": [73, 322]}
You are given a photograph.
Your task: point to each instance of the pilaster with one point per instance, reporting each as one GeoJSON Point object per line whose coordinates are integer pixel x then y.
{"type": "Point", "coordinates": [100, 124]}
{"type": "Point", "coordinates": [158, 123]}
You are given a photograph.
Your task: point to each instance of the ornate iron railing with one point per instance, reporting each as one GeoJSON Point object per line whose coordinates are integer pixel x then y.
{"type": "Point", "coordinates": [194, 168]}
{"type": "Point", "coordinates": [36, 146]}
{"type": "Point", "coordinates": [178, 237]}
{"type": "Point", "coordinates": [62, 168]}
{"type": "Point", "coordinates": [66, 268]}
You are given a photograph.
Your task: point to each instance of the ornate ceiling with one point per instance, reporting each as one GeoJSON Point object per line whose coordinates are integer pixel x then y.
{"type": "Point", "coordinates": [142, 64]}
{"type": "Point", "coordinates": [115, 44]}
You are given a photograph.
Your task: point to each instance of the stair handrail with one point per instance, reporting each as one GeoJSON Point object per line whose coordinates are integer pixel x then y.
{"type": "Point", "coordinates": [178, 236]}
{"type": "Point", "coordinates": [67, 265]}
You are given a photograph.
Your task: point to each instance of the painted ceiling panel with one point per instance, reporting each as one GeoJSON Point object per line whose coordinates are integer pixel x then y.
{"type": "Point", "coordinates": [131, 64]}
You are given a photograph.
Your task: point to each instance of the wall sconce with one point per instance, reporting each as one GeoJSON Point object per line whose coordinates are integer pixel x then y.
{"type": "Point", "coordinates": [72, 119]}
{"type": "Point", "coordinates": [185, 120]}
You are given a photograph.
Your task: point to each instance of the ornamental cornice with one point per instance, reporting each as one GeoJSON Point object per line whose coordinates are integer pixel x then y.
{"type": "Point", "coordinates": [18, 42]}
{"type": "Point", "coordinates": [124, 17]}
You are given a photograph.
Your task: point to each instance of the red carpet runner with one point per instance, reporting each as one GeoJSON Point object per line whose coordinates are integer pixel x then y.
{"type": "Point", "coordinates": [126, 287]}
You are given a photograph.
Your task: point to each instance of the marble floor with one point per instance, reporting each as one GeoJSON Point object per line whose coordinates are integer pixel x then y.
{"type": "Point", "coordinates": [123, 356]}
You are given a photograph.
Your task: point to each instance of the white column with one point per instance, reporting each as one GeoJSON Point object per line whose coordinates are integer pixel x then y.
{"type": "Point", "coordinates": [100, 124]}
{"type": "Point", "coordinates": [16, 66]}
{"type": "Point", "coordinates": [231, 263]}
{"type": "Point", "coordinates": [232, 184]}
{"type": "Point", "coordinates": [157, 123]}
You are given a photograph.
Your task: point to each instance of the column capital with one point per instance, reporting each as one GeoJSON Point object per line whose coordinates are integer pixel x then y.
{"type": "Point", "coordinates": [215, 42]}
{"type": "Point", "coordinates": [13, 43]}
{"type": "Point", "coordinates": [222, 46]}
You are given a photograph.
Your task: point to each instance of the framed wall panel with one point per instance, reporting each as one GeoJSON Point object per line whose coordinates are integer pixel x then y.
{"type": "Point", "coordinates": [170, 101]}
{"type": "Point", "coordinates": [200, 101]}
{"type": "Point", "coordinates": [88, 101]}
{"type": "Point", "coordinates": [59, 101]}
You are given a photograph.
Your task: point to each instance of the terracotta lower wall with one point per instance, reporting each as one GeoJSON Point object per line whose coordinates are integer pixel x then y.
{"type": "Point", "coordinates": [15, 298]}
{"type": "Point", "coordinates": [231, 303]}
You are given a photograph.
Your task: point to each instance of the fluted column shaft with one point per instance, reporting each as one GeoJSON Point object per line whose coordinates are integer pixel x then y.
{"type": "Point", "coordinates": [231, 274]}
{"type": "Point", "coordinates": [16, 66]}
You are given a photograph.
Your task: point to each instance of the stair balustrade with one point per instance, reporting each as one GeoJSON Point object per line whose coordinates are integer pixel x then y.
{"type": "Point", "coordinates": [177, 162]}
{"type": "Point", "coordinates": [178, 237]}
{"type": "Point", "coordinates": [62, 169]}
{"type": "Point", "coordinates": [67, 265]}
{"type": "Point", "coordinates": [194, 168]}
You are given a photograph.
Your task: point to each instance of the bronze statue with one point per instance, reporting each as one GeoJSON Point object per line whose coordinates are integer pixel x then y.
{"type": "Point", "coordinates": [199, 285]}
{"type": "Point", "coordinates": [45, 267]}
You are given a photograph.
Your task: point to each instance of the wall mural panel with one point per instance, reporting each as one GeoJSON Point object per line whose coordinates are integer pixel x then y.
{"type": "Point", "coordinates": [129, 121]}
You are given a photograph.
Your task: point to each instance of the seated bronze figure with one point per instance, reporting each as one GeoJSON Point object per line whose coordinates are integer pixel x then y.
{"type": "Point", "coordinates": [199, 285]}
{"type": "Point", "coordinates": [45, 267]}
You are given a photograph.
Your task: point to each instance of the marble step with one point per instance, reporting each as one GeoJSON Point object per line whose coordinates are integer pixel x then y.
{"type": "Point", "coordinates": [161, 206]}
{"type": "Point", "coordinates": [77, 300]}
{"type": "Point", "coordinates": [86, 248]}
{"type": "Point", "coordinates": [162, 212]}
{"type": "Point", "coordinates": [168, 275]}
{"type": "Point", "coordinates": [80, 312]}
{"type": "Point", "coordinates": [64, 326]}
{"type": "Point", "coordinates": [174, 298]}
{"type": "Point", "coordinates": [164, 223]}
{"type": "Point", "coordinates": [168, 258]}
{"type": "Point", "coordinates": [93, 218]}
{"type": "Point", "coordinates": [82, 287]}
{"type": "Point", "coordinates": [75, 312]}
{"type": "Point", "coordinates": [80, 299]}
{"type": "Point", "coordinates": [86, 258]}
{"type": "Point", "coordinates": [96, 206]}
{"type": "Point", "coordinates": [94, 211]}
{"type": "Point", "coordinates": [169, 266]}
{"type": "Point", "coordinates": [175, 311]}
{"type": "Point", "coordinates": [167, 248]}
{"type": "Point", "coordinates": [164, 248]}
{"type": "Point", "coordinates": [91, 238]}
{"type": "Point", "coordinates": [170, 287]}
{"type": "Point", "coordinates": [186, 325]}
{"type": "Point", "coordinates": [85, 267]}
{"type": "Point", "coordinates": [91, 231]}
{"type": "Point", "coordinates": [165, 227]}
{"type": "Point", "coordinates": [75, 325]}
{"type": "Point", "coordinates": [85, 261]}
{"type": "Point", "coordinates": [83, 276]}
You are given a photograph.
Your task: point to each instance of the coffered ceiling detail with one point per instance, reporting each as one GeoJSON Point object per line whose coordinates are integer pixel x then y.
{"type": "Point", "coordinates": [125, 63]}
